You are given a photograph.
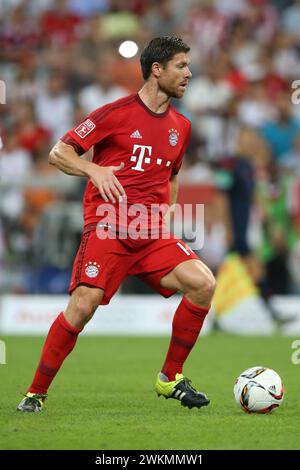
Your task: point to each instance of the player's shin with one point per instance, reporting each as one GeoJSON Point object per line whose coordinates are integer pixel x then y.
{"type": "Point", "coordinates": [187, 324]}
{"type": "Point", "coordinates": [60, 341]}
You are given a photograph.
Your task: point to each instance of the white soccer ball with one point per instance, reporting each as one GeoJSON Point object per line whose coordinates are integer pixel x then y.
{"type": "Point", "coordinates": [258, 390]}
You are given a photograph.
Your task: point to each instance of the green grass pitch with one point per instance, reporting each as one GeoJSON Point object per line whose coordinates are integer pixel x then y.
{"type": "Point", "coordinates": [103, 397]}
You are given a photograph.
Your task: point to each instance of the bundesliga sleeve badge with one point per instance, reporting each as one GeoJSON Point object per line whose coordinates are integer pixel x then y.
{"type": "Point", "coordinates": [85, 128]}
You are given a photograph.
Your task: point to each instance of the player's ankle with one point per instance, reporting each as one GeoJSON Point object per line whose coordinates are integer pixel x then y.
{"type": "Point", "coordinates": [163, 377]}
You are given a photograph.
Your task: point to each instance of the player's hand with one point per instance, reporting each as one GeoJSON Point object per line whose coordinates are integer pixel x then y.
{"type": "Point", "coordinates": [103, 177]}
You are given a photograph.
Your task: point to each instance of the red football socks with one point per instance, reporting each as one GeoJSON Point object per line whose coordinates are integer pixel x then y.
{"type": "Point", "coordinates": [186, 326]}
{"type": "Point", "coordinates": [59, 343]}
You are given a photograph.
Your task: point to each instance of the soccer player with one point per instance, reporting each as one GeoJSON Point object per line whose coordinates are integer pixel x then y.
{"type": "Point", "coordinates": [139, 143]}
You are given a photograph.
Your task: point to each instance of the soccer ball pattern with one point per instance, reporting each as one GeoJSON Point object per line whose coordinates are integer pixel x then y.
{"type": "Point", "coordinates": [258, 390]}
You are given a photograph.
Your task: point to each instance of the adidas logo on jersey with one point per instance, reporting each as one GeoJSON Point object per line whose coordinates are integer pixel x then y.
{"type": "Point", "coordinates": [136, 135]}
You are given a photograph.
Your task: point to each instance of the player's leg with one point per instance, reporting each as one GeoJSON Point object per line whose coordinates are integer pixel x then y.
{"type": "Point", "coordinates": [60, 342]}
{"type": "Point", "coordinates": [194, 279]}
{"type": "Point", "coordinates": [169, 265]}
{"type": "Point", "coordinates": [197, 283]}
{"type": "Point", "coordinates": [99, 268]}
{"type": "Point", "coordinates": [82, 305]}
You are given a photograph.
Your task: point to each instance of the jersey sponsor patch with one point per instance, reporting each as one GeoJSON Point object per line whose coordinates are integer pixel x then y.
{"type": "Point", "coordinates": [85, 128]}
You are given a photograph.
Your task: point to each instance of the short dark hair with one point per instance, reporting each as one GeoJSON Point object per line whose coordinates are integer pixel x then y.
{"type": "Point", "coordinates": [161, 50]}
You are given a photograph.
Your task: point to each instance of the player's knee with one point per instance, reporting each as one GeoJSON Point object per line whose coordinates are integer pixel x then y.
{"type": "Point", "coordinates": [202, 288]}
{"type": "Point", "coordinates": [210, 283]}
{"type": "Point", "coordinates": [85, 304]}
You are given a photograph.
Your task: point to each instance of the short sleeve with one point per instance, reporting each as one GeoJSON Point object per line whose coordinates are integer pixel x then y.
{"type": "Point", "coordinates": [96, 127]}
{"type": "Point", "coordinates": [178, 162]}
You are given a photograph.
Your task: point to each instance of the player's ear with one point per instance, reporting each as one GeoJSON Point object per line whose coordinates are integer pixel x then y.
{"type": "Point", "coordinates": [156, 69]}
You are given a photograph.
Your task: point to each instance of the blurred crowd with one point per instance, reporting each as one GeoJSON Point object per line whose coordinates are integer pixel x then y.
{"type": "Point", "coordinates": [59, 60]}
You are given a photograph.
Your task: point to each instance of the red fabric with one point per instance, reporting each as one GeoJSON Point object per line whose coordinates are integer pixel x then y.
{"type": "Point", "coordinates": [106, 263]}
{"type": "Point", "coordinates": [151, 146]}
{"type": "Point", "coordinates": [59, 343]}
{"type": "Point", "coordinates": [35, 138]}
{"type": "Point", "coordinates": [187, 323]}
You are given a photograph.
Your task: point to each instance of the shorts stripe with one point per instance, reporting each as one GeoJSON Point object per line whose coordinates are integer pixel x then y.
{"type": "Point", "coordinates": [183, 249]}
{"type": "Point", "coordinates": [81, 254]}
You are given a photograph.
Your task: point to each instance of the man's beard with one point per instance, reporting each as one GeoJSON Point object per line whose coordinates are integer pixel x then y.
{"type": "Point", "coordinates": [171, 93]}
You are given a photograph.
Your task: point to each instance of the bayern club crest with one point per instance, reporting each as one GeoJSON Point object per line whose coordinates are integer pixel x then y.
{"type": "Point", "coordinates": [173, 137]}
{"type": "Point", "coordinates": [92, 269]}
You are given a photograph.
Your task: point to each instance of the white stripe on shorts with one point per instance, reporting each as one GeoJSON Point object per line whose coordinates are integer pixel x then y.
{"type": "Point", "coordinates": [183, 248]}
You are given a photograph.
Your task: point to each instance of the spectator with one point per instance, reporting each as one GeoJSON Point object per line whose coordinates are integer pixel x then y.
{"type": "Point", "coordinates": [216, 237]}
{"type": "Point", "coordinates": [19, 34]}
{"type": "Point", "coordinates": [103, 90]}
{"type": "Point", "coordinates": [59, 57]}
{"type": "Point", "coordinates": [262, 19]}
{"type": "Point", "coordinates": [207, 97]}
{"type": "Point", "coordinates": [255, 109]}
{"type": "Point", "coordinates": [162, 19]}
{"type": "Point", "coordinates": [207, 28]}
{"type": "Point", "coordinates": [54, 107]}
{"type": "Point", "coordinates": [279, 235]}
{"type": "Point", "coordinates": [31, 135]}
{"type": "Point", "coordinates": [291, 21]}
{"type": "Point", "coordinates": [244, 50]}
{"type": "Point", "coordinates": [232, 10]}
{"type": "Point", "coordinates": [235, 177]}
{"type": "Point", "coordinates": [88, 8]}
{"type": "Point", "coordinates": [59, 25]}
{"type": "Point", "coordinates": [15, 166]}
{"type": "Point", "coordinates": [285, 57]}
{"type": "Point", "coordinates": [290, 161]}
{"type": "Point", "coordinates": [281, 132]}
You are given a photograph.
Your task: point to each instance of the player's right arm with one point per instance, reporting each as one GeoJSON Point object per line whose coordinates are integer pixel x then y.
{"type": "Point", "coordinates": [64, 157]}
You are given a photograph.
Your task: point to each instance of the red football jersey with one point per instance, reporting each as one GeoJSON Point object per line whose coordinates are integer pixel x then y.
{"type": "Point", "coordinates": [151, 145]}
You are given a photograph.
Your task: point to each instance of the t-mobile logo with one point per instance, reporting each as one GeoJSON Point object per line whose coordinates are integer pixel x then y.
{"type": "Point", "coordinates": [141, 157]}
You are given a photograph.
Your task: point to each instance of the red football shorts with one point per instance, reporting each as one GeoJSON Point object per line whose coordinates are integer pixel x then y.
{"type": "Point", "coordinates": [106, 263]}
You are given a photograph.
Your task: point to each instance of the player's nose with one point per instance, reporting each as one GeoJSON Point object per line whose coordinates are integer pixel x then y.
{"type": "Point", "coordinates": [188, 74]}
